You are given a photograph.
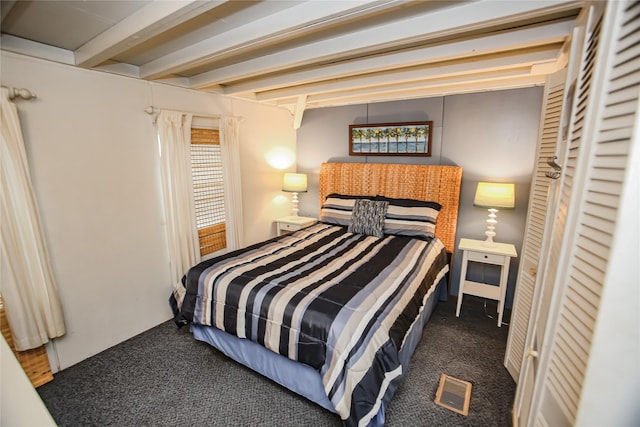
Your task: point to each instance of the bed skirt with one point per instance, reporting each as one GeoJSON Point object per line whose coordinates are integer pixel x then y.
{"type": "Point", "coordinates": [301, 378]}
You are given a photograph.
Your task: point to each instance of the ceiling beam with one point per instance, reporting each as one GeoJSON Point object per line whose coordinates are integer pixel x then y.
{"type": "Point", "coordinates": [390, 90]}
{"type": "Point", "coordinates": [148, 22]}
{"type": "Point", "coordinates": [296, 20]}
{"type": "Point", "coordinates": [119, 68]}
{"type": "Point", "coordinates": [444, 81]}
{"type": "Point", "coordinates": [465, 17]}
{"type": "Point", "coordinates": [526, 37]}
{"type": "Point", "coordinates": [510, 82]}
{"type": "Point", "coordinates": [39, 50]}
{"type": "Point", "coordinates": [423, 74]}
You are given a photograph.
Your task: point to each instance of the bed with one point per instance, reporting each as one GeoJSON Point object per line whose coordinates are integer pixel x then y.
{"type": "Point", "coordinates": [334, 311]}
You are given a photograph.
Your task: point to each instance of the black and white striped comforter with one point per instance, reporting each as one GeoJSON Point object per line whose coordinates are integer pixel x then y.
{"type": "Point", "coordinates": [339, 302]}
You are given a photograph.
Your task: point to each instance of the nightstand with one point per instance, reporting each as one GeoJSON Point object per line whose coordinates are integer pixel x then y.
{"type": "Point", "coordinates": [498, 254]}
{"type": "Point", "coordinates": [289, 224]}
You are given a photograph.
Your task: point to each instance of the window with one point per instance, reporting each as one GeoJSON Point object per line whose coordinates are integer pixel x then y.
{"type": "Point", "coordinates": [208, 189]}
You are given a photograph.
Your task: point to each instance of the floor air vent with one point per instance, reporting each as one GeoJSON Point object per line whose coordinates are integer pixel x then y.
{"type": "Point", "coordinates": [454, 394]}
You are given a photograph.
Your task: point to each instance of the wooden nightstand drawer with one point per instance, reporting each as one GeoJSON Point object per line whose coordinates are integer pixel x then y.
{"type": "Point", "coordinates": [486, 258]}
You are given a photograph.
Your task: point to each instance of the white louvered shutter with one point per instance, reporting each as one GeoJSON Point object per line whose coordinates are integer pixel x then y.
{"type": "Point", "coordinates": [614, 189]}
{"type": "Point", "coordinates": [558, 387]}
{"type": "Point", "coordinates": [556, 208]}
{"type": "Point", "coordinates": [536, 219]}
{"type": "Point", "coordinates": [597, 157]}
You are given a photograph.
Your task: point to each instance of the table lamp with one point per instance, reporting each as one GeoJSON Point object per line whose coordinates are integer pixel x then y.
{"type": "Point", "coordinates": [294, 183]}
{"type": "Point", "coordinates": [494, 196]}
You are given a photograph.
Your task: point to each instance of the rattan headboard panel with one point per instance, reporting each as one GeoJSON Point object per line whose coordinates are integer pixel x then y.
{"type": "Point", "coordinates": [421, 182]}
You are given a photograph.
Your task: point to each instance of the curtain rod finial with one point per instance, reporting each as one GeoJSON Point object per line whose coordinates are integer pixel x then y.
{"type": "Point", "coordinates": [21, 93]}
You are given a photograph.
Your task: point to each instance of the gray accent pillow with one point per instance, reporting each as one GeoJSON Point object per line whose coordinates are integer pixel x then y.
{"type": "Point", "coordinates": [368, 217]}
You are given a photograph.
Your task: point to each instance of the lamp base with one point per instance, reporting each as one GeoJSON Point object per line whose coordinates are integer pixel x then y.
{"type": "Point", "coordinates": [294, 204]}
{"type": "Point", "coordinates": [491, 227]}
{"type": "Point", "coordinates": [488, 242]}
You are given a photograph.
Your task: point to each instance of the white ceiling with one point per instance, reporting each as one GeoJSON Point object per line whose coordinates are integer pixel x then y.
{"type": "Point", "coordinates": [302, 54]}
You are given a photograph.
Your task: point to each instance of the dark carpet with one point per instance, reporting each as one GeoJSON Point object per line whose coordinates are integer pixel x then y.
{"type": "Point", "coordinates": [164, 377]}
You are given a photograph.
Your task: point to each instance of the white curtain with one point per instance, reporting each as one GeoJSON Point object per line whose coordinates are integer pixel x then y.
{"type": "Point", "coordinates": [27, 284]}
{"type": "Point", "coordinates": [230, 148]}
{"type": "Point", "coordinates": [174, 134]}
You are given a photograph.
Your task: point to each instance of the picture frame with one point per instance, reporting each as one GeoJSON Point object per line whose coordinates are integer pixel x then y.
{"type": "Point", "coordinates": [391, 139]}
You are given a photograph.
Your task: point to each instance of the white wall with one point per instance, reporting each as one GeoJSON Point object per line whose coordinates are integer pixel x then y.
{"type": "Point", "coordinates": [272, 137]}
{"type": "Point", "coordinates": [20, 404]}
{"type": "Point", "coordinates": [491, 135]}
{"type": "Point", "coordinates": [94, 163]}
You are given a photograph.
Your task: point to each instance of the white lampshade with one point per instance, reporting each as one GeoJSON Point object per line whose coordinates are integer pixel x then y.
{"type": "Point", "coordinates": [495, 195]}
{"type": "Point", "coordinates": [295, 182]}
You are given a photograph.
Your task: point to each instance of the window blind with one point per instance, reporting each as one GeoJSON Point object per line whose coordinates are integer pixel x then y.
{"type": "Point", "coordinates": [208, 189]}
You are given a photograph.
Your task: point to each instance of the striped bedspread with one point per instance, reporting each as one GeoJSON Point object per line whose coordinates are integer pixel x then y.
{"type": "Point", "coordinates": [339, 302]}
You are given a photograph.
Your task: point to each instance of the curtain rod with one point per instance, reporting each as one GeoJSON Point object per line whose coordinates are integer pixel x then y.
{"type": "Point", "coordinates": [23, 93]}
{"type": "Point", "coordinates": [155, 110]}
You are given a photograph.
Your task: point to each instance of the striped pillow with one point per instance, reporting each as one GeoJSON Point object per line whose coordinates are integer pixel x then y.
{"type": "Point", "coordinates": [337, 208]}
{"type": "Point", "coordinates": [408, 217]}
{"type": "Point", "coordinates": [368, 217]}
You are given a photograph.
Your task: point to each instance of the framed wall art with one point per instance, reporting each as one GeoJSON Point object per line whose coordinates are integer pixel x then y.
{"type": "Point", "coordinates": [391, 139]}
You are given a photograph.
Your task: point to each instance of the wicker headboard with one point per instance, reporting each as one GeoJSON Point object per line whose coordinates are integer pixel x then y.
{"type": "Point", "coordinates": [421, 182]}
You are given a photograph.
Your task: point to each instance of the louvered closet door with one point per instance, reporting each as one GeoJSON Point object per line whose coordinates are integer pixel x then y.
{"type": "Point", "coordinates": [536, 218]}
{"type": "Point", "coordinates": [559, 396]}
{"type": "Point", "coordinates": [612, 209]}
{"type": "Point", "coordinates": [545, 268]}
{"type": "Point", "coordinates": [562, 399]}
{"type": "Point", "coordinates": [601, 127]}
